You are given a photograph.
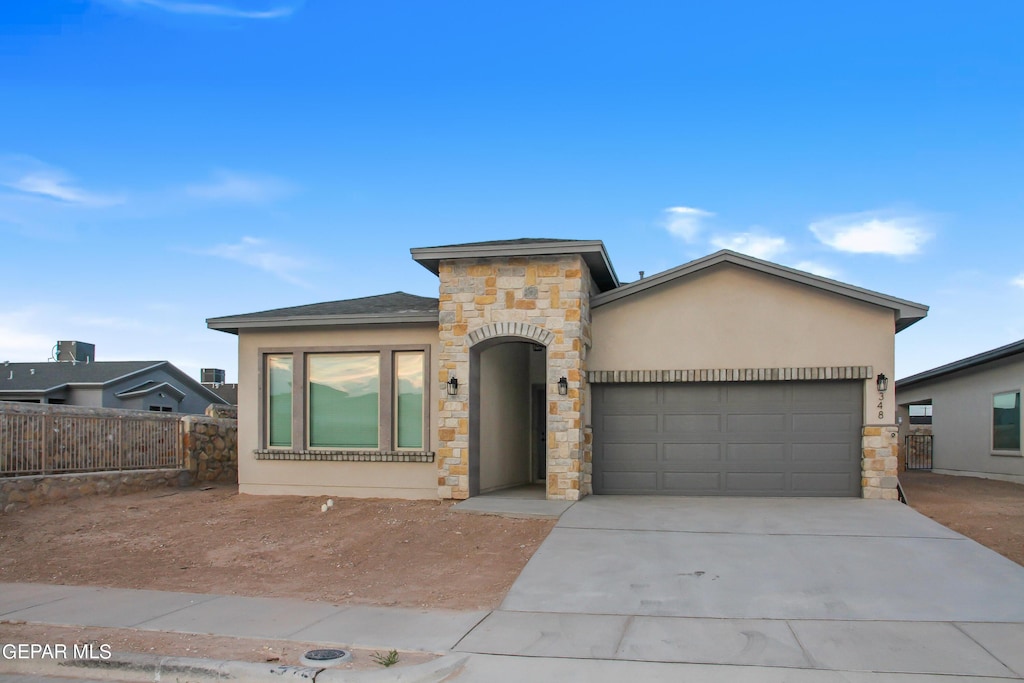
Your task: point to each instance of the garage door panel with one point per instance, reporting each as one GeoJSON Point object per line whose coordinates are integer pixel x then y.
{"type": "Point", "coordinates": [756, 452]}
{"type": "Point", "coordinates": [691, 483]}
{"type": "Point", "coordinates": [631, 452]}
{"type": "Point", "coordinates": [630, 423]}
{"type": "Point", "coordinates": [692, 452]}
{"type": "Point", "coordinates": [822, 422]}
{"type": "Point", "coordinates": [755, 483]}
{"type": "Point", "coordinates": [757, 423]}
{"type": "Point", "coordinates": [631, 396]}
{"type": "Point", "coordinates": [755, 392]}
{"type": "Point", "coordinates": [629, 482]}
{"type": "Point", "coordinates": [821, 481]}
{"type": "Point", "coordinates": [692, 423]}
{"type": "Point", "coordinates": [756, 439]}
{"type": "Point", "coordinates": [821, 452]}
{"type": "Point", "coordinates": [692, 394]}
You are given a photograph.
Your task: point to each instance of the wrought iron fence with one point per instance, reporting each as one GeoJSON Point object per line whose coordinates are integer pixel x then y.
{"type": "Point", "coordinates": [918, 448]}
{"type": "Point", "coordinates": [55, 443]}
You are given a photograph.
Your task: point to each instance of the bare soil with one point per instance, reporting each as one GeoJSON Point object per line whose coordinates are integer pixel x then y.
{"type": "Point", "coordinates": [365, 551]}
{"type": "Point", "coordinates": [990, 512]}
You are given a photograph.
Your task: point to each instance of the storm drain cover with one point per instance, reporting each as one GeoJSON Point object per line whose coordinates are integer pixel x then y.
{"type": "Point", "coordinates": [326, 657]}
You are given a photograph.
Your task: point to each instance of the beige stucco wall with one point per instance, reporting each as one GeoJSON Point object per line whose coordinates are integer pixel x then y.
{"type": "Point", "coordinates": [962, 419]}
{"type": "Point", "coordinates": [505, 410]}
{"type": "Point", "coordinates": [733, 317]}
{"type": "Point", "coordinates": [357, 479]}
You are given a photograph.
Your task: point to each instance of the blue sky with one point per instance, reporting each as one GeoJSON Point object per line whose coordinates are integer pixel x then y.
{"type": "Point", "coordinates": [166, 161]}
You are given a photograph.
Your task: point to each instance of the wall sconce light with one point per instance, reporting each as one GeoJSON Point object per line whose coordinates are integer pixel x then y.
{"type": "Point", "coordinates": [563, 386]}
{"type": "Point", "coordinates": [882, 382]}
{"type": "Point", "coordinates": [453, 386]}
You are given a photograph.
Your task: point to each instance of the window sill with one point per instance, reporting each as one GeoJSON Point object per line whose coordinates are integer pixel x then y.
{"type": "Point", "coordinates": [320, 455]}
{"type": "Point", "coordinates": [1007, 454]}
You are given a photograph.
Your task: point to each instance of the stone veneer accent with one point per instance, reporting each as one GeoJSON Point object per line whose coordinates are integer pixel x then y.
{"type": "Point", "coordinates": [880, 465]}
{"type": "Point", "coordinates": [545, 300]}
{"type": "Point", "coordinates": [18, 493]}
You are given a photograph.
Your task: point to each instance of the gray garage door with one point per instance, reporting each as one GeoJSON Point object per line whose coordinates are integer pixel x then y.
{"type": "Point", "coordinates": [739, 439]}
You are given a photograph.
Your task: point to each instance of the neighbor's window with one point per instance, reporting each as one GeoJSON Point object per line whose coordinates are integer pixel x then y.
{"type": "Point", "coordinates": [409, 399]}
{"type": "Point", "coordinates": [1006, 421]}
{"type": "Point", "coordinates": [344, 398]}
{"type": "Point", "coordinates": [279, 401]}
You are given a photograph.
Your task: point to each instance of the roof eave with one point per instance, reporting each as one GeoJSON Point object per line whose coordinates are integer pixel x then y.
{"type": "Point", "coordinates": [233, 325]}
{"type": "Point", "coordinates": [907, 312]}
{"type": "Point", "coordinates": [968, 363]}
{"type": "Point", "coordinates": [592, 251]}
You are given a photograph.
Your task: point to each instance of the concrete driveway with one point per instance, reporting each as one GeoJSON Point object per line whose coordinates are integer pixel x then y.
{"type": "Point", "coordinates": [790, 586]}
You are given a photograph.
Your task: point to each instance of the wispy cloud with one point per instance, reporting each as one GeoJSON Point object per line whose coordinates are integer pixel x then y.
{"type": "Point", "coordinates": [238, 187]}
{"type": "Point", "coordinates": [1018, 281]}
{"type": "Point", "coordinates": [210, 9]}
{"type": "Point", "coordinates": [685, 221]}
{"type": "Point", "coordinates": [817, 269]}
{"type": "Point", "coordinates": [873, 232]}
{"type": "Point", "coordinates": [259, 253]}
{"type": "Point", "coordinates": [27, 334]}
{"type": "Point", "coordinates": [753, 243]}
{"type": "Point", "coordinates": [33, 179]}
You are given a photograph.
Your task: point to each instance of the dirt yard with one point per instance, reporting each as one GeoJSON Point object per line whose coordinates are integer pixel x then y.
{"type": "Point", "coordinates": [988, 511]}
{"type": "Point", "coordinates": [376, 552]}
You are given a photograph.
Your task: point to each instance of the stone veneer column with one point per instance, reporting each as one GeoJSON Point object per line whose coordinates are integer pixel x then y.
{"type": "Point", "coordinates": [879, 462]}
{"type": "Point", "coordinates": [509, 297]}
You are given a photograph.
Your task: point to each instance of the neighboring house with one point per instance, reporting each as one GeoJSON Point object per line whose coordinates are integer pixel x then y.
{"type": "Point", "coordinates": [725, 376]}
{"type": "Point", "coordinates": [136, 385]}
{"type": "Point", "coordinates": [974, 412]}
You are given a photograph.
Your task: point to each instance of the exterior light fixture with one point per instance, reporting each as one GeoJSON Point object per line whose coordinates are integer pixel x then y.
{"type": "Point", "coordinates": [563, 386]}
{"type": "Point", "coordinates": [453, 386]}
{"type": "Point", "coordinates": [882, 382]}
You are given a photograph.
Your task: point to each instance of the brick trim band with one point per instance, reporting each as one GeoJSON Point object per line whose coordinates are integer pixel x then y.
{"type": "Point", "coordinates": [842, 372]}
{"type": "Point", "coordinates": [346, 456]}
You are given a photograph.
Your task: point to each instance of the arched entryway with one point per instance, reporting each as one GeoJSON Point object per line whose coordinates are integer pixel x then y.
{"type": "Point", "coordinates": [507, 414]}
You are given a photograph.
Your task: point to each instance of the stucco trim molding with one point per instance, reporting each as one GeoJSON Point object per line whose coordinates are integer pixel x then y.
{"type": "Point", "coordinates": [841, 372]}
{"type": "Point", "coordinates": [525, 330]}
{"type": "Point", "coordinates": [346, 456]}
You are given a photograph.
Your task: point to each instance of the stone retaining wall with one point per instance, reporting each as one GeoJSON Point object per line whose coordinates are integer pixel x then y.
{"type": "Point", "coordinates": [18, 493]}
{"type": "Point", "coordinates": [211, 448]}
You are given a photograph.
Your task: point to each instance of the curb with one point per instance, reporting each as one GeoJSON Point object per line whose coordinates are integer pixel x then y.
{"type": "Point", "coordinates": [132, 668]}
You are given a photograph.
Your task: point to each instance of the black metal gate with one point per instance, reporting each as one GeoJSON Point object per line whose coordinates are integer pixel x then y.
{"type": "Point", "coordinates": [918, 448]}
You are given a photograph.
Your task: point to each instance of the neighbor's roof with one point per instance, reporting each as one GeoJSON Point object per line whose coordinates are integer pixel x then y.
{"type": "Point", "coordinates": [592, 251]}
{"type": "Point", "coordinates": [964, 364]}
{"type": "Point", "coordinates": [42, 378]}
{"type": "Point", "coordinates": [396, 307]}
{"type": "Point", "coordinates": [48, 376]}
{"type": "Point", "coordinates": [907, 312]}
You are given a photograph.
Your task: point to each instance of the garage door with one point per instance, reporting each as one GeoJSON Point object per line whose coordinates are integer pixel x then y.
{"type": "Point", "coordinates": [738, 439]}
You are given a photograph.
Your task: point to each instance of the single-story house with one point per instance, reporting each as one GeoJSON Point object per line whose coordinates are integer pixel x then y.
{"type": "Point", "coordinates": [153, 385]}
{"type": "Point", "coordinates": [727, 375]}
{"type": "Point", "coordinates": [974, 410]}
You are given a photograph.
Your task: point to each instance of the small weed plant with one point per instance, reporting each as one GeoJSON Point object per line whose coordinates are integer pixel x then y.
{"type": "Point", "coordinates": [385, 659]}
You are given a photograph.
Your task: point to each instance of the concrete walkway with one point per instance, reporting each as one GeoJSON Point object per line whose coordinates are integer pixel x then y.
{"type": "Point", "coordinates": [654, 589]}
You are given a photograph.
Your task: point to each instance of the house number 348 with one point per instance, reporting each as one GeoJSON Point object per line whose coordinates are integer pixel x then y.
{"type": "Point", "coordinates": [881, 406]}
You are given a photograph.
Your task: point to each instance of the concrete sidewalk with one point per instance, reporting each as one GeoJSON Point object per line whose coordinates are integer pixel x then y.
{"type": "Point", "coordinates": [428, 630]}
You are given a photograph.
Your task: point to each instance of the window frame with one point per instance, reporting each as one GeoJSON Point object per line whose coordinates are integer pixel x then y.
{"type": "Point", "coordinates": [992, 424]}
{"type": "Point", "coordinates": [387, 410]}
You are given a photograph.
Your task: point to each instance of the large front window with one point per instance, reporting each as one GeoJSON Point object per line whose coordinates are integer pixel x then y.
{"type": "Point", "coordinates": [344, 400]}
{"type": "Point", "coordinates": [1006, 421]}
